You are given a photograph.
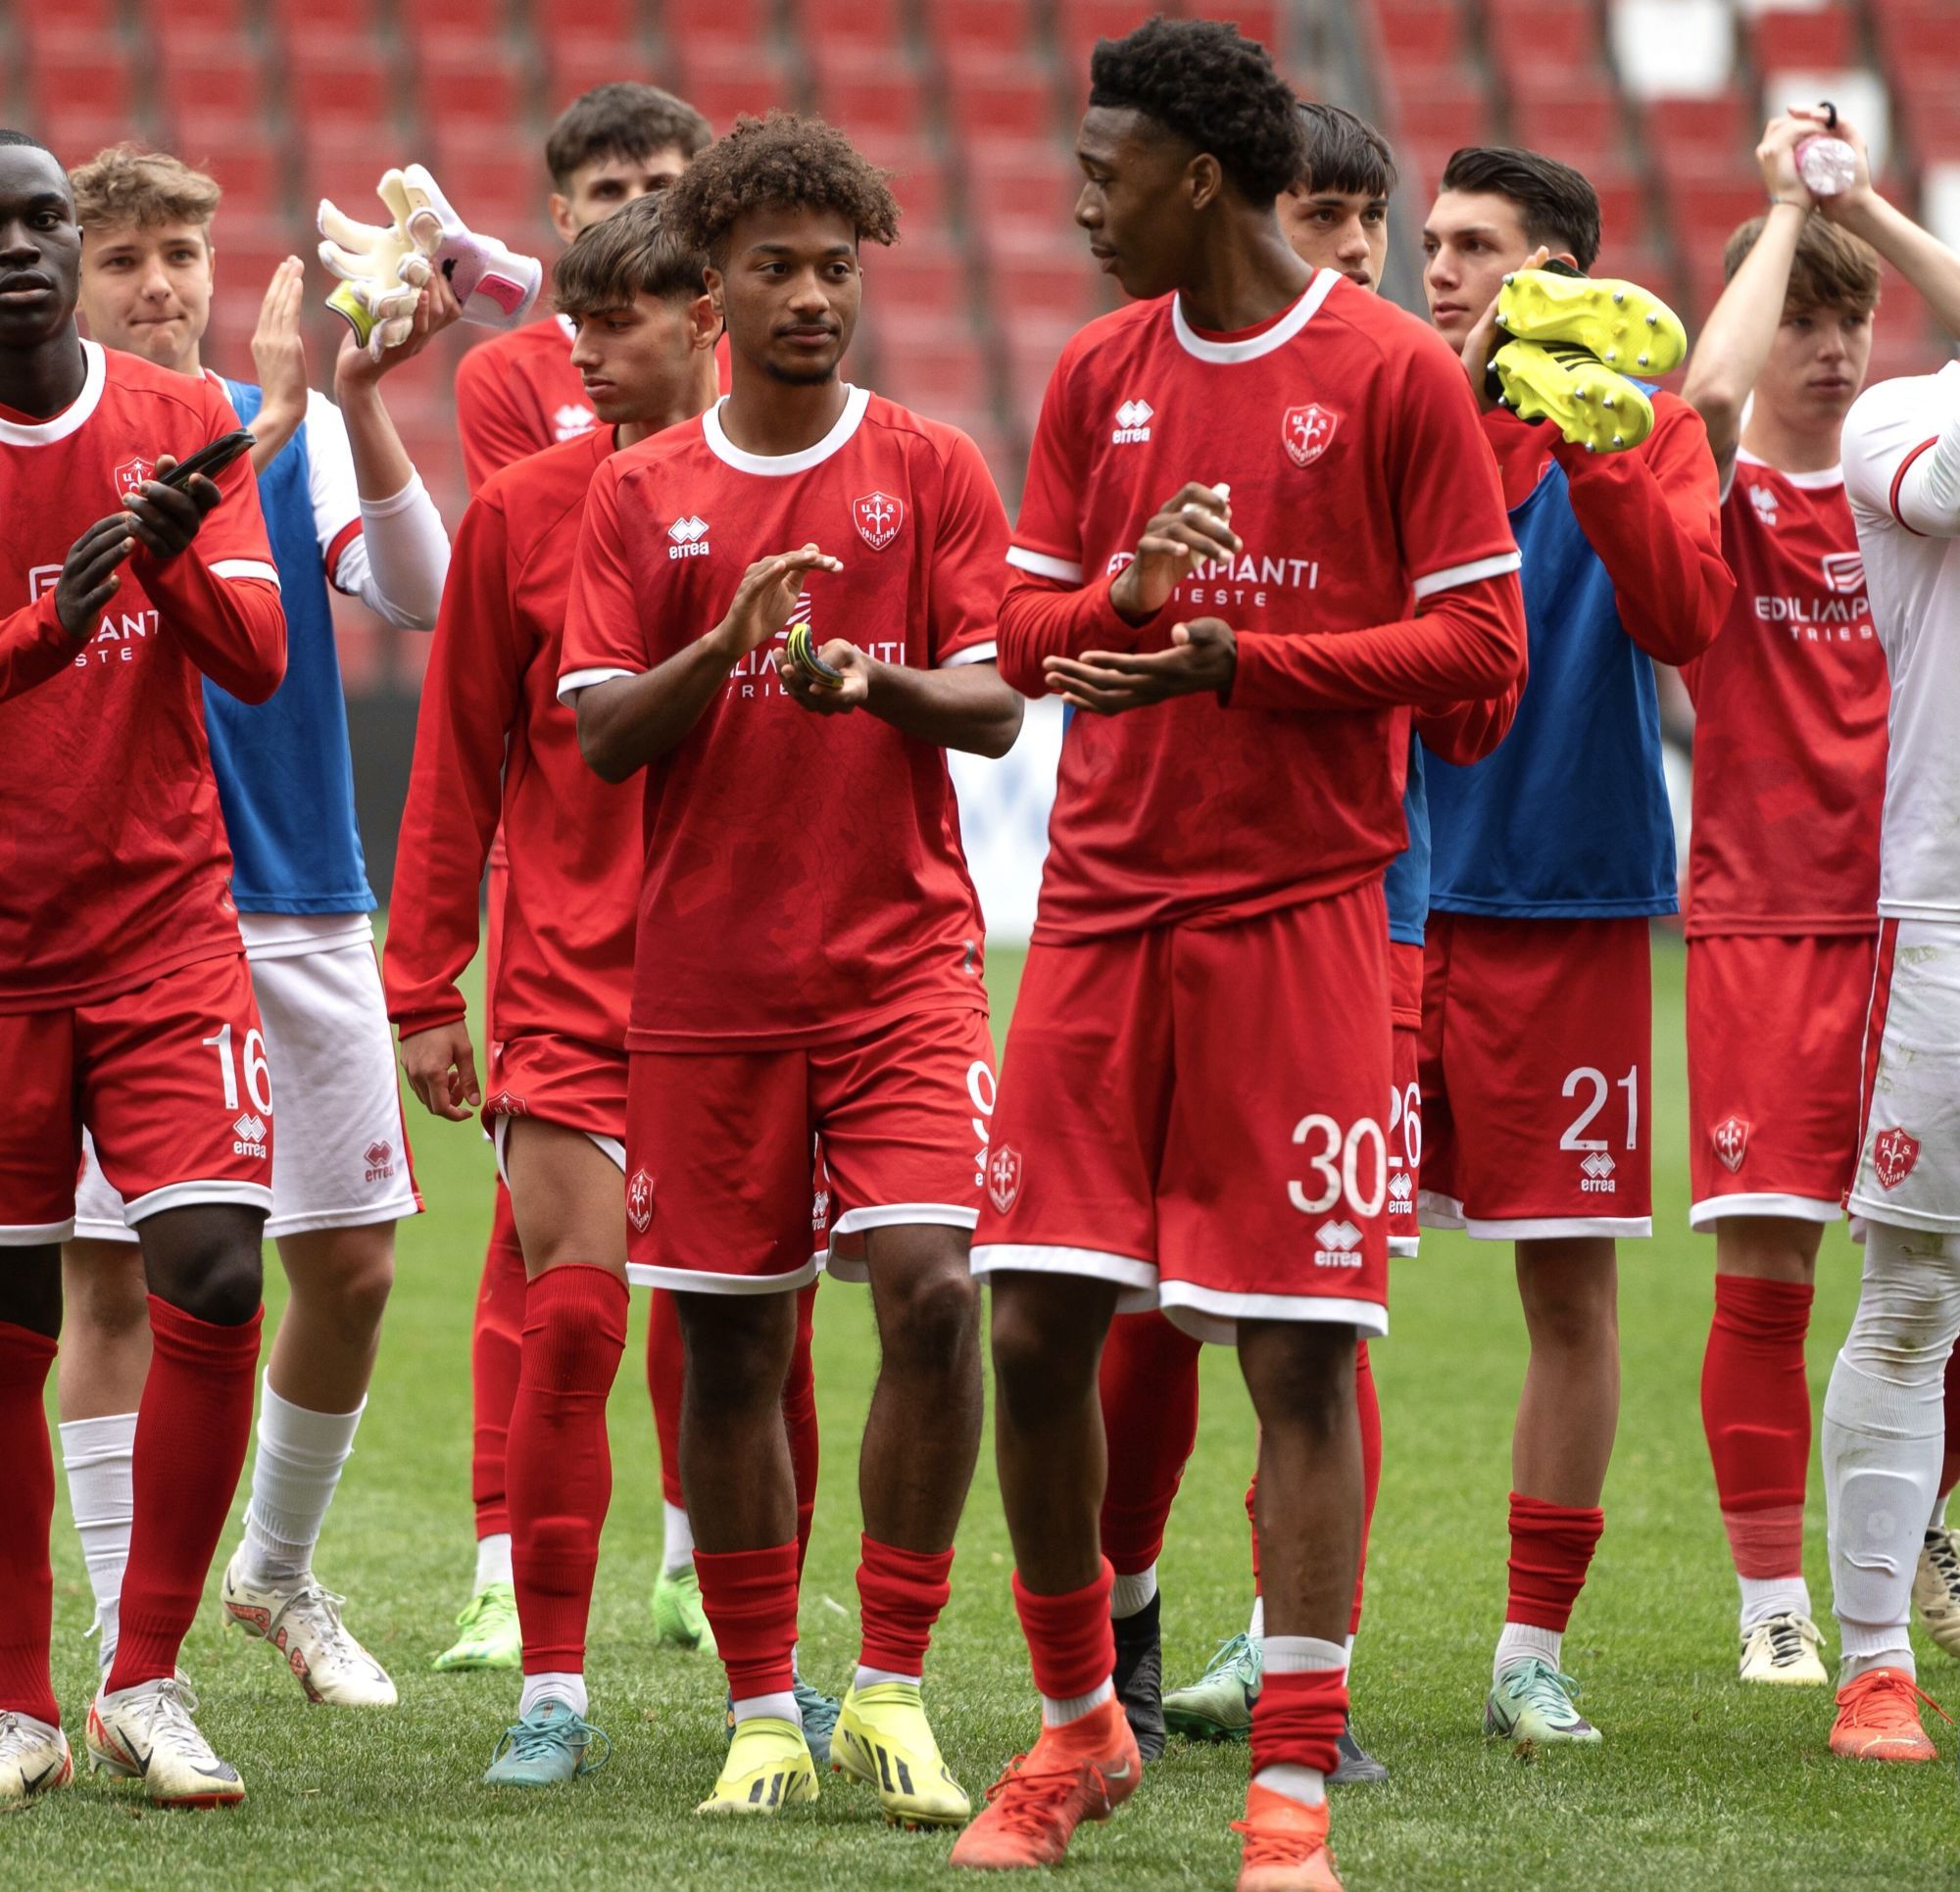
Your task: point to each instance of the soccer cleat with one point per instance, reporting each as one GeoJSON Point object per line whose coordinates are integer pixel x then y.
{"type": "Point", "coordinates": [769, 1767]}
{"type": "Point", "coordinates": [146, 1733]}
{"type": "Point", "coordinates": [883, 1740]}
{"type": "Point", "coordinates": [304, 1625]}
{"type": "Point", "coordinates": [1083, 1771]}
{"type": "Point", "coordinates": [491, 1637]}
{"type": "Point", "coordinates": [1878, 1718]}
{"type": "Point", "coordinates": [1935, 1587]}
{"type": "Point", "coordinates": [1783, 1649]}
{"type": "Point", "coordinates": [1218, 1705]}
{"type": "Point", "coordinates": [34, 1759]}
{"type": "Point", "coordinates": [1138, 1676]}
{"type": "Point", "coordinates": [1626, 326]}
{"type": "Point", "coordinates": [678, 1618]}
{"type": "Point", "coordinates": [546, 1748]}
{"type": "Point", "coordinates": [819, 1718]}
{"type": "Point", "coordinates": [1286, 1845]}
{"type": "Point", "coordinates": [1531, 1703]}
{"type": "Point", "coordinates": [1356, 1766]}
{"type": "Point", "coordinates": [1588, 402]}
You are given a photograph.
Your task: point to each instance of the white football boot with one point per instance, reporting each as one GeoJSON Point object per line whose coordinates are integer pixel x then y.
{"type": "Point", "coordinates": [1935, 1587]}
{"type": "Point", "coordinates": [1783, 1649]}
{"type": "Point", "coordinates": [34, 1759]}
{"type": "Point", "coordinates": [303, 1623]}
{"type": "Point", "coordinates": [146, 1733]}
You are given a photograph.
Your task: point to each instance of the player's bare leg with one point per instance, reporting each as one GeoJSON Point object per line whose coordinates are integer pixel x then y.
{"type": "Point", "coordinates": [1756, 1410]}
{"type": "Point", "coordinates": [1560, 1448]}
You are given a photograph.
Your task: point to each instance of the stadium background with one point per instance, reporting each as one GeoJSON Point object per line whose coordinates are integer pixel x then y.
{"type": "Point", "coordinates": [972, 104]}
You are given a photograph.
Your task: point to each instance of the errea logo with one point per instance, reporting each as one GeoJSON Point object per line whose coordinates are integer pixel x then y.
{"type": "Point", "coordinates": [690, 537]}
{"type": "Point", "coordinates": [1764, 500]}
{"type": "Point", "coordinates": [1339, 1241]}
{"type": "Point", "coordinates": [251, 1141]}
{"type": "Point", "coordinates": [1133, 423]}
{"type": "Point", "coordinates": [1596, 1175]}
{"type": "Point", "coordinates": [571, 420]}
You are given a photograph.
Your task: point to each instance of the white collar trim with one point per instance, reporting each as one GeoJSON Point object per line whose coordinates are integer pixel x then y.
{"type": "Point", "coordinates": [1282, 331]}
{"type": "Point", "coordinates": [775, 466]}
{"type": "Point", "coordinates": [1820, 481]}
{"type": "Point", "coordinates": [74, 416]}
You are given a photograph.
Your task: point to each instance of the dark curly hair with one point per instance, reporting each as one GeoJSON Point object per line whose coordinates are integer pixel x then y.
{"type": "Point", "coordinates": [1219, 91]}
{"type": "Point", "coordinates": [783, 161]}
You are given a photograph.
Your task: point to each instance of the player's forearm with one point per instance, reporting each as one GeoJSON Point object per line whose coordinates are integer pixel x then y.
{"type": "Point", "coordinates": [1467, 644]}
{"type": "Point", "coordinates": [1041, 620]}
{"type": "Point", "coordinates": [233, 627]}
{"type": "Point", "coordinates": [33, 646]}
{"type": "Point", "coordinates": [1741, 330]}
{"type": "Point", "coordinates": [628, 722]}
{"type": "Point", "coordinates": [1467, 732]}
{"type": "Point", "coordinates": [381, 464]}
{"type": "Point", "coordinates": [273, 427]}
{"type": "Point", "coordinates": [969, 706]}
{"type": "Point", "coordinates": [1915, 254]}
{"type": "Point", "coordinates": [397, 564]}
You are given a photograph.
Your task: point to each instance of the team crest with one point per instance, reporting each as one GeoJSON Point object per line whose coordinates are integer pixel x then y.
{"type": "Point", "coordinates": [1894, 1153]}
{"type": "Point", "coordinates": [130, 475]}
{"type": "Point", "coordinates": [1004, 1178]}
{"type": "Point", "coordinates": [878, 518]}
{"type": "Point", "coordinates": [1844, 571]}
{"type": "Point", "coordinates": [1731, 1137]}
{"type": "Point", "coordinates": [640, 1201]}
{"type": "Point", "coordinates": [1306, 433]}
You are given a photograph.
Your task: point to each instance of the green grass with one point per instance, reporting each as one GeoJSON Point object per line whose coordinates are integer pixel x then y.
{"type": "Point", "coordinates": [1699, 1784]}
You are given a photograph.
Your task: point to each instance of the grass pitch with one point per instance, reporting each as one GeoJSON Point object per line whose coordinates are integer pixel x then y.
{"type": "Point", "coordinates": [1699, 1783]}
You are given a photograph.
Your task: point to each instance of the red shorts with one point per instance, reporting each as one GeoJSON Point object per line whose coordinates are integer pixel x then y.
{"type": "Point", "coordinates": [1196, 1114]}
{"type": "Point", "coordinates": [1537, 1054]}
{"type": "Point", "coordinates": [1405, 1097]}
{"type": "Point", "coordinates": [1774, 1025]}
{"type": "Point", "coordinates": [719, 1152]}
{"type": "Point", "coordinates": [560, 1081]}
{"type": "Point", "coordinates": [171, 1079]}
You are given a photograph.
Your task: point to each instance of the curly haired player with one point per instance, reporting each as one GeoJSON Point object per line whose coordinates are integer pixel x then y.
{"type": "Point", "coordinates": [808, 955]}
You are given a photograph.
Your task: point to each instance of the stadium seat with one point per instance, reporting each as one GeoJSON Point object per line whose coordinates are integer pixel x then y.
{"type": "Point", "coordinates": [1011, 98]}
{"type": "Point", "coordinates": [305, 20]}
{"type": "Point", "coordinates": [936, 366]}
{"type": "Point", "coordinates": [924, 274]}
{"type": "Point", "coordinates": [344, 79]}
{"type": "Point", "coordinates": [1562, 35]}
{"type": "Point", "coordinates": [1574, 115]}
{"type": "Point", "coordinates": [1424, 35]}
{"type": "Point", "coordinates": [98, 18]}
{"type": "Point", "coordinates": [877, 26]}
{"type": "Point", "coordinates": [1694, 136]}
{"type": "Point", "coordinates": [918, 176]}
{"type": "Point", "coordinates": [858, 87]}
{"type": "Point", "coordinates": [1021, 184]}
{"type": "Point", "coordinates": [495, 183]}
{"type": "Point", "coordinates": [470, 81]}
{"type": "Point", "coordinates": [193, 17]}
{"type": "Point", "coordinates": [740, 24]}
{"type": "Point", "coordinates": [208, 81]}
{"type": "Point", "coordinates": [1813, 38]}
{"type": "Point", "coordinates": [73, 74]}
{"type": "Point", "coordinates": [613, 19]}
{"type": "Point", "coordinates": [1034, 343]}
{"type": "Point", "coordinates": [995, 28]}
{"type": "Point", "coordinates": [1446, 109]}
{"type": "Point", "coordinates": [575, 64]}
{"type": "Point", "coordinates": [1054, 277]}
{"type": "Point", "coordinates": [250, 167]}
{"type": "Point", "coordinates": [722, 81]}
{"type": "Point", "coordinates": [1262, 19]}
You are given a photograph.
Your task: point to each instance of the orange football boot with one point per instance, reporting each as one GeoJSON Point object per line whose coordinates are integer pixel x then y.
{"type": "Point", "coordinates": [1083, 1771]}
{"type": "Point", "coordinates": [1878, 1718]}
{"type": "Point", "coordinates": [1286, 1845]}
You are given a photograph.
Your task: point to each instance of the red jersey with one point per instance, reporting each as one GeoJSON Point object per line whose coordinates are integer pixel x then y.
{"type": "Point", "coordinates": [493, 743]}
{"type": "Point", "coordinates": [1789, 729]}
{"type": "Point", "coordinates": [114, 867]}
{"type": "Point", "coordinates": [515, 395]}
{"type": "Point", "coordinates": [1358, 476]}
{"type": "Point", "coordinates": [804, 874]}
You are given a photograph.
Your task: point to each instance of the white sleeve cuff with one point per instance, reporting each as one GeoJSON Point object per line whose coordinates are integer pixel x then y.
{"type": "Point", "coordinates": [574, 681]}
{"type": "Point", "coordinates": [245, 568]}
{"type": "Point", "coordinates": [1452, 577]}
{"type": "Point", "coordinates": [986, 653]}
{"type": "Point", "coordinates": [1067, 571]}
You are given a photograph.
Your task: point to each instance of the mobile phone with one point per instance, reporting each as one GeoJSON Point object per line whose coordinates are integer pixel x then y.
{"type": "Point", "coordinates": [210, 461]}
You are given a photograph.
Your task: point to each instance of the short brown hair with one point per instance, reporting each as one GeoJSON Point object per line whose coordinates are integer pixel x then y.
{"type": "Point", "coordinates": [622, 120]}
{"type": "Point", "coordinates": [634, 252]}
{"type": "Point", "coordinates": [1832, 268]}
{"type": "Point", "coordinates": [1557, 207]}
{"type": "Point", "coordinates": [126, 186]}
{"type": "Point", "coordinates": [784, 162]}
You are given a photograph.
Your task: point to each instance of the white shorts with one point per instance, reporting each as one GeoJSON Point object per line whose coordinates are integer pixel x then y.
{"type": "Point", "coordinates": [1909, 1125]}
{"type": "Point", "coordinates": [341, 1159]}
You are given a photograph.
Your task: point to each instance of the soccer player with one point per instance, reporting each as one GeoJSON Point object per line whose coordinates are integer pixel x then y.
{"type": "Point", "coordinates": [125, 1004]}
{"type": "Point", "coordinates": [344, 507]}
{"type": "Point", "coordinates": [516, 394]}
{"type": "Point", "coordinates": [1537, 1014]}
{"type": "Point", "coordinates": [1883, 1419]}
{"type": "Point", "coordinates": [496, 751]}
{"type": "Point", "coordinates": [1790, 766]}
{"type": "Point", "coordinates": [808, 955]}
{"type": "Point", "coordinates": [1239, 603]}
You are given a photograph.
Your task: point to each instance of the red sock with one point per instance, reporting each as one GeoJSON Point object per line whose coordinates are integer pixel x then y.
{"type": "Point", "coordinates": [1369, 1412]}
{"type": "Point", "coordinates": [28, 1504]}
{"type": "Point", "coordinates": [1070, 1643]}
{"type": "Point", "coordinates": [900, 1596]}
{"type": "Point", "coordinates": [666, 1367]}
{"type": "Point", "coordinates": [1950, 1472]}
{"type": "Point", "coordinates": [1297, 1719]}
{"type": "Point", "coordinates": [1551, 1546]}
{"type": "Point", "coordinates": [800, 1418]}
{"type": "Point", "coordinates": [1149, 1388]}
{"type": "Point", "coordinates": [749, 1597]}
{"type": "Point", "coordinates": [192, 1428]}
{"type": "Point", "coordinates": [496, 1343]}
{"type": "Point", "coordinates": [1756, 1410]}
{"type": "Point", "coordinates": [561, 1464]}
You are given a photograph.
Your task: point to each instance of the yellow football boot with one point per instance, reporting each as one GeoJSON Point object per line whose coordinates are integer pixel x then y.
{"type": "Point", "coordinates": [1627, 327]}
{"type": "Point", "coordinates": [1589, 404]}
{"type": "Point", "coordinates": [769, 1767]}
{"type": "Point", "coordinates": [884, 1739]}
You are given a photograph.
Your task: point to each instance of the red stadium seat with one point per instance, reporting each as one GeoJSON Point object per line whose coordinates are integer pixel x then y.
{"type": "Point", "coordinates": [469, 81]}
{"type": "Point", "coordinates": [78, 74]}
{"type": "Point", "coordinates": [1688, 136]}
{"type": "Point", "coordinates": [935, 366]}
{"type": "Point", "coordinates": [575, 65]}
{"type": "Point", "coordinates": [1022, 185]}
{"type": "Point", "coordinates": [495, 182]}
{"type": "Point", "coordinates": [1423, 36]}
{"type": "Point", "coordinates": [1625, 203]}
{"type": "Point", "coordinates": [1444, 108]}
{"type": "Point", "coordinates": [1260, 20]}
{"type": "Point", "coordinates": [207, 82]}
{"type": "Point", "coordinates": [1929, 104]}
{"type": "Point", "coordinates": [877, 89]}
{"type": "Point", "coordinates": [343, 81]}
{"type": "Point", "coordinates": [1080, 23]}
{"type": "Point", "coordinates": [306, 20]}
{"type": "Point", "coordinates": [1705, 209]}
{"type": "Point", "coordinates": [1034, 343]}
{"type": "Point", "coordinates": [724, 24]}
{"type": "Point", "coordinates": [99, 17]}
{"type": "Point", "coordinates": [1574, 115]}
{"type": "Point", "coordinates": [196, 18]}
{"type": "Point", "coordinates": [996, 27]}
{"type": "Point", "coordinates": [613, 19]}
{"type": "Point", "coordinates": [1012, 98]}
{"type": "Point", "coordinates": [869, 25]}
{"type": "Point", "coordinates": [450, 19]}
{"type": "Point", "coordinates": [1917, 37]}
{"type": "Point", "coordinates": [722, 82]}
{"type": "Point", "coordinates": [1806, 39]}
{"type": "Point", "coordinates": [250, 169]}
{"type": "Point", "coordinates": [1052, 277]}
{"type": "Point", "coordinates": [1562, 35]}
{"type": "Point", "coordinates": [919, 177]}
{"type": "Point", "coordinates": [923, 274]}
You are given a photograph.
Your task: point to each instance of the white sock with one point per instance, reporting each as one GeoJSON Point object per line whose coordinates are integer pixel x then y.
{"type": "Point", "coordinates": [1058, 1712]}
{"type": "Point", "coordinates": [1307, 1785]}
{"type": "Point", "coordinates": [871, 1677]}
{"type": "Point", "coordinates": [1129, 1594]}
{"type": "Point", "coordinates": [1256, 1630]}
{"type": "Point", "coordinates": [678, 1551]}
{"type": "Point", "coordinates": [782, 1708]}
{"type": "Point", "coordinates": [1518, 1640]}
{"type": "Point", "coordinates": [1764, 1597]}
{"type": "Point", "coordinates": [99, 1456]}
{"type": "Point", "coordinates": [554, 1685]}
{"type": "Point", "coordinates": [1303, 1655]}
{"type": "Point", "coordinates": [1883, 1439]}
{"type": "Point", "coordinates": [298, 1465]}
{"type": "Point", "coordinates": [493, 1559]}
